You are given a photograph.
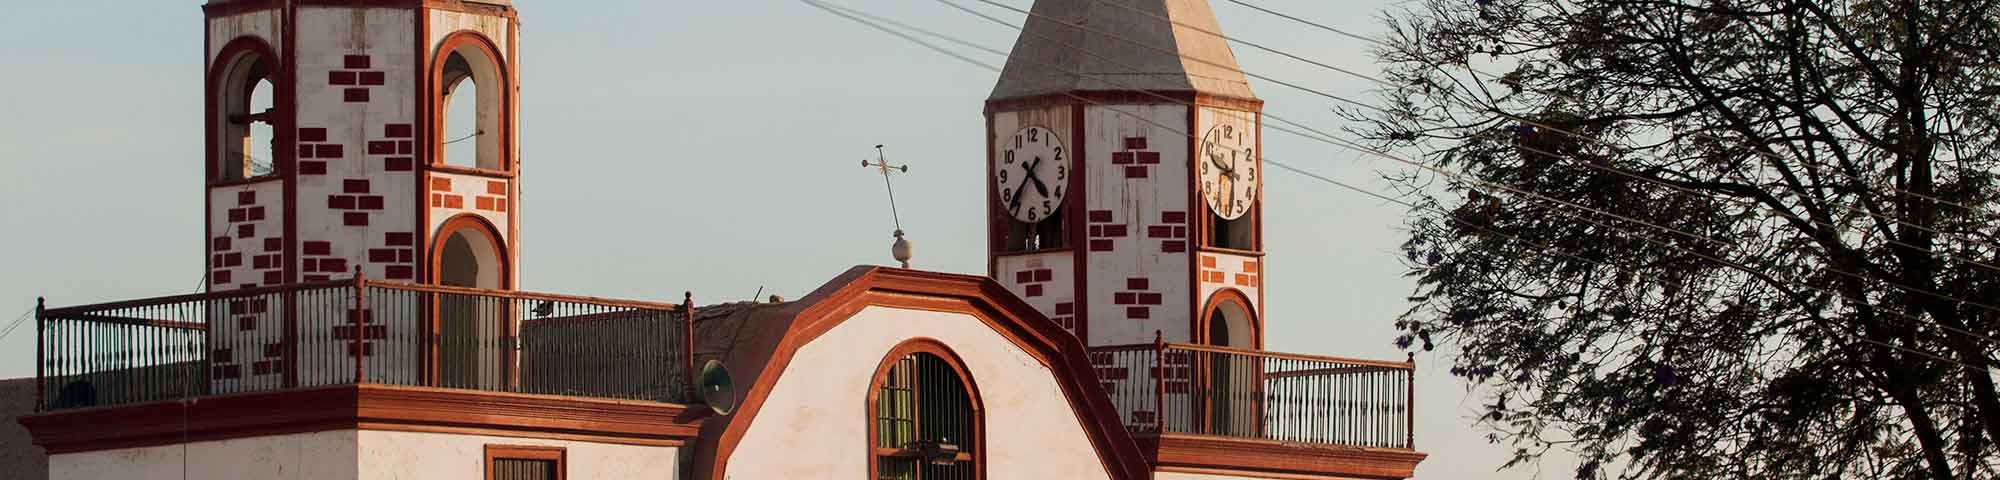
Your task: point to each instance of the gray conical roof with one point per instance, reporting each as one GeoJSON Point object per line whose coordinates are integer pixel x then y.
{"type": "Point", "coordinates": [1113, 45]}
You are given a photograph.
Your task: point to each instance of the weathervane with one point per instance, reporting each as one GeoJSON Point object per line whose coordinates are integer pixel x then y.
{"type": "Point", "coordinates": [901, 249]}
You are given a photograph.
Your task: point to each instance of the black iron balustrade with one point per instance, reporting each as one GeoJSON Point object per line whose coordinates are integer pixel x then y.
{"type": "Point", "coordinates": [1208, 390]}
{"type": "Point", "coordinates": [360, 331]}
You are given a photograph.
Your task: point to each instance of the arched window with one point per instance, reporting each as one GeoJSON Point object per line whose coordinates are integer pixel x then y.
{"type": "Point", "coordinates": [472, 104]}
{"type": "Point", "coordinates": [246, 145]}
{"type": "Point", "coordinates": [926, 419]}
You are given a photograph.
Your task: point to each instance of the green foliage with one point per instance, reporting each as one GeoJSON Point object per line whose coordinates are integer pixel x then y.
{"type": "Point", "coordinates": [1709, 238]}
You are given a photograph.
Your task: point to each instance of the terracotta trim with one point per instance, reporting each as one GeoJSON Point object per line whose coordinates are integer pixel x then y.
{"type": "Point", "coordinates": [364, 407]}
{"type": "Point", "coordinates": [1232, 251]}
{"type": "Point", "coordinates": [1203, 322]}
{"type": "Point", "coordinates": [478, 225]}
{"type": "Point", "coordinates": [1234, 456]}
{"type": "Point", "coordinates": [981, 297]}
{"type": "Point", "coordinates": [504, 68]}
{"type": "Point", "coordinates": [479, 172]}
{"type": "Point", "coordinates": [559, 455]}
{"type": "Point", "coordinates": [939, 349]}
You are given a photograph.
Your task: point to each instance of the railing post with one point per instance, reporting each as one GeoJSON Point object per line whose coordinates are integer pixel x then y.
{"type": "Point", "coordinates": [687, 347]}
{"type": "Point", "coordinates": [360, 321]}
{"type": "Point", "coordinates": [1410, 402]}
{"type": "Point", "coordinates": [41, 357]}
{"type": "Point", "coordinates": [1159, 383]}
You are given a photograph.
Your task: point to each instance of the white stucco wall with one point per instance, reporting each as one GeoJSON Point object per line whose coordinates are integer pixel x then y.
{"type": "Point", "coordinates": [306, 456]}
{"type": "Point", "coordinates": [415, 455]}
{"type": "Point", "coordinates": [1139, 286]}
{"type": "Point", "coordinates": [355, 455]}
{"type": "Point", "coordinates": [1045, 280]}
{"type": "Point", "coordinates": [813, 424]}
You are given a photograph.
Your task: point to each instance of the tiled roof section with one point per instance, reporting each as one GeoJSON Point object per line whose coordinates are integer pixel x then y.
{"type": "Point", "coordinates": [1121, 45]}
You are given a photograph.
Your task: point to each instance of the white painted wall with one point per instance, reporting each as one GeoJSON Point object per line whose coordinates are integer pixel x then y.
{"type": "Point", "coordinates": [1054, 272]}
{"type": "Point", "coordinates": [814, 422]}
{"type": "Point", "coordinates": [262, 24]}
{"type": "Point", "coordinates": [306, 456]}
{"type": "Point", "coordinates": [1139, 204]}
{"type": "Point", "coordinates": [355, 455]}
{"type": "Point", "coordinates": [413, 455]}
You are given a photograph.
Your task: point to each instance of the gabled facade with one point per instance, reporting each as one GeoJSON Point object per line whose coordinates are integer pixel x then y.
{"type": "Point", "coordinates": [361, 320]}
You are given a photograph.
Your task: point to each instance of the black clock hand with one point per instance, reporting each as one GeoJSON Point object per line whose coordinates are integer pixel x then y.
{"type": "Point", "coordinates": [1039, 186]}
{"type": "Point", "coordinates": [1014, 205]}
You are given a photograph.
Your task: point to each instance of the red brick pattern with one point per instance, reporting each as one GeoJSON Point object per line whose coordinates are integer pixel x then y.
{"type": "Point", "coordinates": [356, 79]}
{"type": "Point", "coordinates": [241, 255]}
{"type": "Point", "coordinates": [315, 152]}
{"type": "Point", "coordinates": [1137, 298]}
{"type": "Point", "coordinates": [360, 321]}
{"type": "Point", "coordinates": [1213, 271]}
{"type": "Point", "coordinates": [1136, 159]}
{"type": "Point", "coordinates": [1103, 230]}
{"type": "Point", "coordinates": [1172, 231]}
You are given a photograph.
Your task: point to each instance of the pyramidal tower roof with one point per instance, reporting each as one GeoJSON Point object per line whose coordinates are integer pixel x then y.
{"type": "Point", "coordinates": [1121, 45]}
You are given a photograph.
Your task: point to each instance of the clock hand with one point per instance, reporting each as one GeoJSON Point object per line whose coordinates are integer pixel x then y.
{"type": "Point", "coordinates": [1014, 205]}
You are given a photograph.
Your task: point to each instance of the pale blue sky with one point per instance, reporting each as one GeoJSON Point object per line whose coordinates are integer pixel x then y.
{"type": "Point", "coordinates": [678, 145]}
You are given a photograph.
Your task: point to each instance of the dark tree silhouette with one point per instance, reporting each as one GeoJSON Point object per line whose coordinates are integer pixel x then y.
{"type": "Point", "coordinates": [1709, 238]}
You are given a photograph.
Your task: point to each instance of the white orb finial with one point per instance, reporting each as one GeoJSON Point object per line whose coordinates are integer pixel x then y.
{"type": "Point", "coordinates": [901, 249]}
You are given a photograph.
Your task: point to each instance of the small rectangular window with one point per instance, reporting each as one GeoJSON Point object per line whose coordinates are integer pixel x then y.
{"type": "Point", "coordinates": [512, 462]}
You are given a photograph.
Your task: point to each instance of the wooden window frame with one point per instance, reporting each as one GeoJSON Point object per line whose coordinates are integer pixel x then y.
{"type": "Point", "coordinates": [527, 452]}
{"type": "Point", "coordinates": [951, 359]}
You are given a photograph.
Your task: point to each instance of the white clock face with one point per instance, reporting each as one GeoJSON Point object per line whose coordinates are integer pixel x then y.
{"type": "Point", "coordinates": [1228, 171]}
{"type": "Point", "coordinates": [1031, 173]}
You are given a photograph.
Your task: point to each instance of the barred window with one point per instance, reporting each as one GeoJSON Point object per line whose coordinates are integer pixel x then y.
{"type": "Point", "coordinates": [504, 462]}
{"type": "Point", "coordinates": [926, 417]}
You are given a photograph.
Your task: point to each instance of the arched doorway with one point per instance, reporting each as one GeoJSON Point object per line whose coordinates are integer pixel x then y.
{"type": "Point", "coordinates": [471, 329]}
{"type": "Point", "coordinates": [1233, 390]}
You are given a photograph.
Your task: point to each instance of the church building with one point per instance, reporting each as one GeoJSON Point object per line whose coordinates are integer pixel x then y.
{"type": "Point", "coordinates": [362, 318]}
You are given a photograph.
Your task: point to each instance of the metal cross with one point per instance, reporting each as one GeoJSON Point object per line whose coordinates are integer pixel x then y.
{"type": "Point", "coordinates": [882, 161]}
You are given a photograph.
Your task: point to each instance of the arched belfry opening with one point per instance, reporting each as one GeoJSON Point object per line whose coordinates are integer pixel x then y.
{"type": "Point", "coordinates": [1232, 388]}
{"type": "Point", "coordinates": [472, 106]}
{"type": "Point", "coordinates": [471, 329]}
{"type": "Point", "coordinates": [247, 107]}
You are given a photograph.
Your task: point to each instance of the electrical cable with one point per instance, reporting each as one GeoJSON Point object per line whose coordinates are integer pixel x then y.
{"type": "Point", "coordinates": [1333, 140]}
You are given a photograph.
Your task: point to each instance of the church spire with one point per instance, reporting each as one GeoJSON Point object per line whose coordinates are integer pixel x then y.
{"type": "Point", "coordinates": [1121, 45]}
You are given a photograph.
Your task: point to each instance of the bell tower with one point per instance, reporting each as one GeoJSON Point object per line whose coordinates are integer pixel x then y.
{"type": "Point", "coordinates": [375, 137]}
{"type": "Point", "coordinates": [1124, 151]}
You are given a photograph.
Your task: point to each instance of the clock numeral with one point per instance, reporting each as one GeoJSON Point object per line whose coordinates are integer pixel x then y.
{"type": "Point", "coordinates": [1007, 195]}
{"type": "Point", "coordinates": [1003, 177]}
{"type": "Point", "coordinates": [1252, 172]}
{"type": "Point", "coordinates": [1017, 141]}
{"type": "Point", "coordinates": [1046, 207]}
{"type": "Point", "coordinates": [1062, 171]}
{"type": "Point", "coordinates": [1031, 215]}
{"type": "Point", "coordinates": [1010, 157]}
{"type": "Point", "coordinates": [1228, 132]}
{"type": "Point", "coordinates": [1034, 135]}
{"type": "Point", "coordinates": [1058, 153]}
{"type": "Point", "coordinates": [1058, 191]}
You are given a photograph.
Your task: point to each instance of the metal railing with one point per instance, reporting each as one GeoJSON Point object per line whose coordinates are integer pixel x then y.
{"type": "Point", "coordinates": [1208, 390]}
{"type": "Point", "coordinates": [360, 331]}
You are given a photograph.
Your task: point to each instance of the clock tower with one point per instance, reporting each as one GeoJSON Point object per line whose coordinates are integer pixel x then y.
{"type": "Point", "coordinates": [1124, 150]}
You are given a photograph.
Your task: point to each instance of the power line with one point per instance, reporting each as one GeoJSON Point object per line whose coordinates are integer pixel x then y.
{"type": "Point", "coordinates": [1335, 140]}
{"type": "Point", "coordinates": [1607, 168]}
{"type": "Point", "coordinates": [16, 323]}
{"type": "Point", "coordinates": [1338, 142]}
